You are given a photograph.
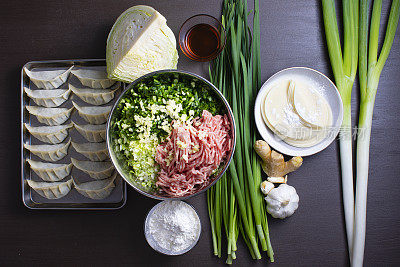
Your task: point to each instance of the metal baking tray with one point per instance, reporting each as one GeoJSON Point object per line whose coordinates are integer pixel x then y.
{"type": "Point", "coordinates": [73, 200]}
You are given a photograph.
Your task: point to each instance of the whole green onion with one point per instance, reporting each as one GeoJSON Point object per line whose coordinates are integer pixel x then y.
{"type": "Point", "coordinates": [370, 68]}
{"type": "Point", "coordinates": [369, 72]}
{"type": "Point", "coordinates": [344, 68]}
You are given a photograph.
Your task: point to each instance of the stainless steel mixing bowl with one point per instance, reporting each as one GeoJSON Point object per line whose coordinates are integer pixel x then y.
{"type": "Point", "coordinates": [118, 163]}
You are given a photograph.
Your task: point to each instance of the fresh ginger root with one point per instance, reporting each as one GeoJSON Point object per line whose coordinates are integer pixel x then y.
{"type": "Point", "coordinates": [274, 164]}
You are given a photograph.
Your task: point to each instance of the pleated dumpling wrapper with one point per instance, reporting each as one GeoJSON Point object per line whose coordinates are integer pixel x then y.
{"type": "Point", "coordinates": [94, 78]}
{"type": "Point", "coordinates": [48, 79]}
{"type": "Point", "coordinates": [50, 116]}
{"type": "Point", "coordinates": [93, 115]}
{"type": "Point", "coordinates": [93, 151]}
{"type": "Point", "coordinates": [98, 189]}
{"type": "Point", "coordinates": [48, 98]}
{"type": "Point", "coordinates": [49, 152]}
{"type": "Point", "coordinates": [50, 172]}
{"type": "Point", "coordinates": [96, 170]}
{"type": "Point", "coordinates": [94, 133]}
{"type": "Point", "coordinates": [54, 190]}
{"type": "Point", "coordinates": [49, 134]}
{"type": "Point", "coordinates": [95, 96]}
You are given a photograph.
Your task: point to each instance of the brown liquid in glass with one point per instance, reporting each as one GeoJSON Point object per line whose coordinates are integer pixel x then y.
{"type": "Point", "coordinates": [203, 40]}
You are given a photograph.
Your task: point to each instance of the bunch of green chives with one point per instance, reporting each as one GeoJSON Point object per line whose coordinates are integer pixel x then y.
{"type": "Point", "coordinates": [235, 203]}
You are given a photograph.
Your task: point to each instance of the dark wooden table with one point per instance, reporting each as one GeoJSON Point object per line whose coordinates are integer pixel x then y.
{"type": "Point", "coordinates": [292, 35]}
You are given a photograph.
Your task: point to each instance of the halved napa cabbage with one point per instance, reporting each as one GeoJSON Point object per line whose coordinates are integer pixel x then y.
{"type": "Point", "coordinates": [140, 42]}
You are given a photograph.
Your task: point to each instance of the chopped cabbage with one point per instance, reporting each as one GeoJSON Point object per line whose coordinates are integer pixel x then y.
{"type": "Point", "coordinates": [140, 42]}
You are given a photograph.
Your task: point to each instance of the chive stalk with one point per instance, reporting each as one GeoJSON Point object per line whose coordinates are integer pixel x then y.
{"type": "Point", "coordinates": [210, 205]}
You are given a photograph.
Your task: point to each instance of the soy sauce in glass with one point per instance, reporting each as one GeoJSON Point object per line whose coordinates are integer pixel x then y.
{"type": "Point", "coordinates": [203, 41]}
{"type": "Point", "coordinates": [202, 37]}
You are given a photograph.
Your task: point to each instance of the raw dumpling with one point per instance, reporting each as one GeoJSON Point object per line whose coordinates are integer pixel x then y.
{"type": "Point", "coordinates": [93, 151]}
{"type": "Point", "coordinates": [49, 152]}
{"type": "Point", "coordinates": [92, 133]}
{"type": "Point", "coordinates": [93, 78]}
{"type": "Point", "coordinates": [95, 96]}
{"type": "Point", "coordinates": [48, 98]}
{"type": "Point", "coordinates": [48, 79]}
{"type": "Point", "coordinates": [93, 115]}
{"type": "Point", "coordinates": [50, 172]}
{"type": "Point", "coordinates": [99, 189]}
{"type": "Point", "coordinates": [53, 190]}
{"type": "Point", "coordinates": [49, 134]}
{"type": "Point", "coordinates": [96, 170]}
{"type": "Point", "coordinates": [50, 116]}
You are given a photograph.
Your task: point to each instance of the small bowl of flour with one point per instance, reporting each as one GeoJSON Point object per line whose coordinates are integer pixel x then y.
{"type": "Point", "coordinates": [172, 227]}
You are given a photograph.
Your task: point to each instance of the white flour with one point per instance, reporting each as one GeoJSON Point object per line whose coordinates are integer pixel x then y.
{"type": "Point", "coordinates": [174, 225]}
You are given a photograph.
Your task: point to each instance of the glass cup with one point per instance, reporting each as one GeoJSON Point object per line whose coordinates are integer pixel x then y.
{"type": "Point", "coordinates": [202, 37]}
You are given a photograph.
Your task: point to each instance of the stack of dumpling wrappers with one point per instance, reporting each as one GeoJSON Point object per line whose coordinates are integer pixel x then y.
{"type": "Point", "coordinates": [96, 91]}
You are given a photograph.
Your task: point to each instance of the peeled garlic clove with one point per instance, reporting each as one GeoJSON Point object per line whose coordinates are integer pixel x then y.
{"type": "Point", "coordinates": [277, 180]}
{"type": "Point", "coordinates": [266, 187]}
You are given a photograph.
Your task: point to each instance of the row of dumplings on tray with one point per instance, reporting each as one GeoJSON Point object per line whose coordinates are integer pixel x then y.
{"type": "Point", "coordinates": [56, 132]}
{"type": "Point", "coordinates": [52, 79]}
{"type": "Point", "coordinates": [57, 116]}
{"type": "Point", "coordinates": [93, 151]}
{"type": "Point", "coordinates": [56, 97]}
{"type": "Point", "coordinates": [53, 173]}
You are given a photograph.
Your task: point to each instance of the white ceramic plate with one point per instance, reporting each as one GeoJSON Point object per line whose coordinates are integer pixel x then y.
{"type": "Point", "coordinates": [325, 87]}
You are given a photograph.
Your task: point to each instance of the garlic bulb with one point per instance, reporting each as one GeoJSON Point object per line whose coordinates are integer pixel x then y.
{"type": "Point", "coordinates": [282, 201]}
